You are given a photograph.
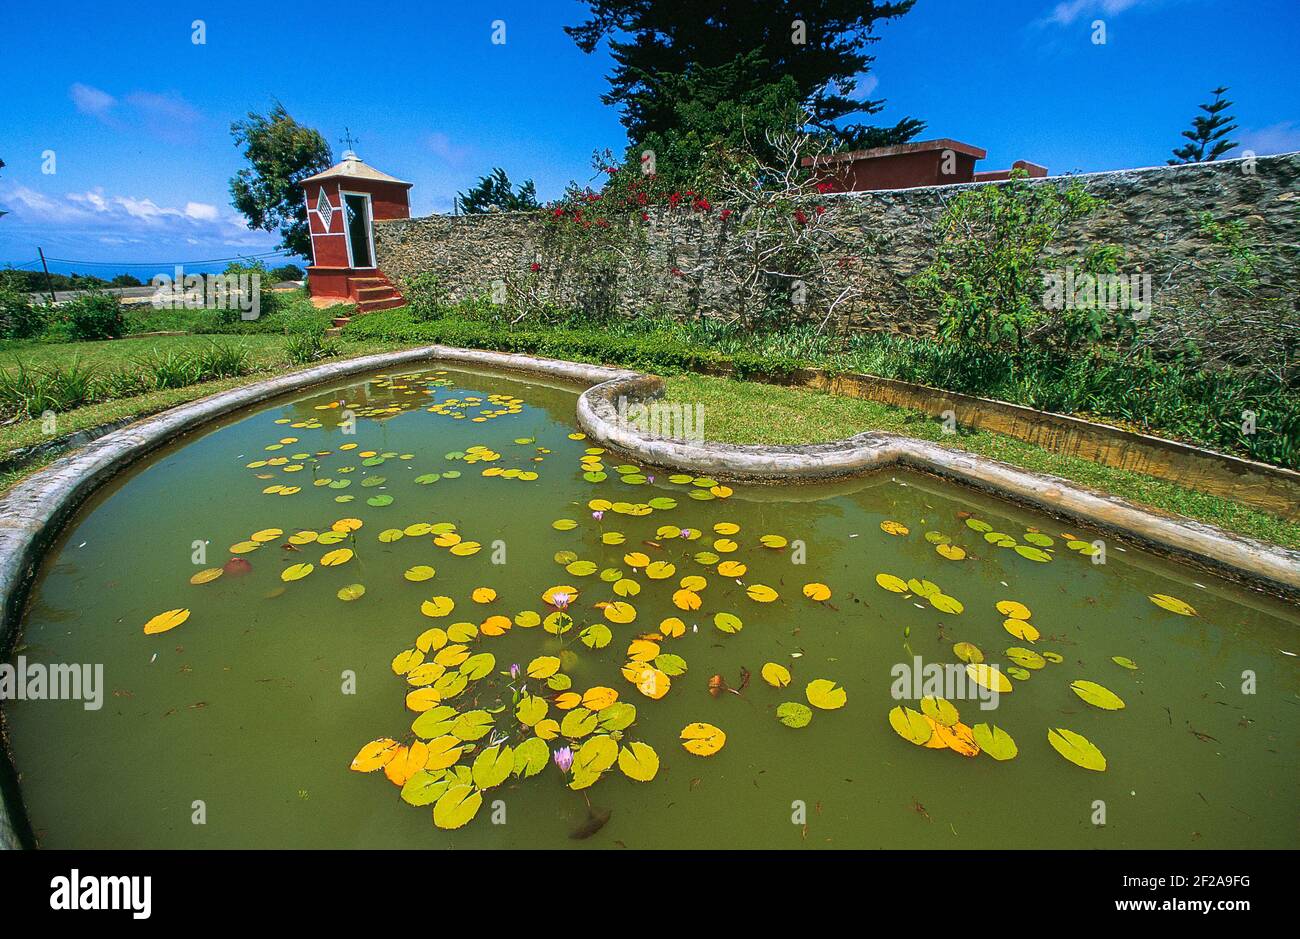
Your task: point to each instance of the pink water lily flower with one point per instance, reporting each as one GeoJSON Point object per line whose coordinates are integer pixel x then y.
{"type": "Point", "coordinates": [563, 758]}
{"type": "Point", "coordinates": [561, 600]}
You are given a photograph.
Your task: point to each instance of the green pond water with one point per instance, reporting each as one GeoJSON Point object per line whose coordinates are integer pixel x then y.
{"type": "Point", "coordinates": [255, 706]}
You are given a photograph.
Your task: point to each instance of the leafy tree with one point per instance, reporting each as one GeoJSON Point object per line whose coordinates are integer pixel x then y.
{"type": "Point", "coordinates": [494, 193]}
{"type": "Point", "coordinates": [683, 54]}
{"type": "Point", "coordinates": [281, 153]}
{"type": "Point", "coordinates": [986, 279]}
{"type": "Point", "coordinates": [1209, 132]}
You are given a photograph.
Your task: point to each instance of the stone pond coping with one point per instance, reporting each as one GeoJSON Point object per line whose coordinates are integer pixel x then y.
{"type": "Point", "coordinates": [35, 509]}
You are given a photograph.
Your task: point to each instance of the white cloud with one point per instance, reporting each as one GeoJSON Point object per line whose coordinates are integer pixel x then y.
{"type": "Point", "coordinates": [1067, 11]}
{"type": "Point", "coordinates": [442, 146]}
{"type": "Point", "coordinates": [95, 214]}
{"type": "Point", "coordinates": [1283, 137]}
{"type": "Point", "coordinates": [92, 101]}
{"type": "Point", "coordinates": [166, 116]}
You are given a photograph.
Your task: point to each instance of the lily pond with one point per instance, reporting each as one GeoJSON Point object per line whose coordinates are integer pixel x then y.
{"type": "Point", "coordinates": [420, 609]}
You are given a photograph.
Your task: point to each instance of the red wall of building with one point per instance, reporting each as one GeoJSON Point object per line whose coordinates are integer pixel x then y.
{"type": "Point", "coordinates": [329, 271]}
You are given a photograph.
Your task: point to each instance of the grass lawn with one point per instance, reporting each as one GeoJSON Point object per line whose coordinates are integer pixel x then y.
{"type": "Point", "coordinates": [735, 411]}
{"type": "Point", "coordinates": [748, 412]}
{"type": "Point", "coordinates": [266, 356]}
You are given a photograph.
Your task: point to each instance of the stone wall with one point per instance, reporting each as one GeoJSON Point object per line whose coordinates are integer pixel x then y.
{"type": "Point", "coordinates": [887, 237]}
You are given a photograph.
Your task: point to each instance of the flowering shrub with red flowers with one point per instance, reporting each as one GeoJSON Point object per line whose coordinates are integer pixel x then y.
{"type": "Point", "coordinates": [771, 253]}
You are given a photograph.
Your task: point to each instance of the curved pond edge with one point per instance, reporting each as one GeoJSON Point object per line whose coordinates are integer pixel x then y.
{"type": "Point", "coordinates": [35, 509]}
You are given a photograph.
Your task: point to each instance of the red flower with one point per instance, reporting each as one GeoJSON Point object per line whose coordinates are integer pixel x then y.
{"type": "Point", "coordinates": [800, 217]}
{"type": "Point", "coordinates": [645, 217]}
{"type": "Point", "coordinates": [534, 267]}
{"type": "Point", "coordinates": [824, 187]}
{"type": "Point", "coordinates": [558, 213]}
{"type": "Point", "coordinates": [675, 198]}
{"type": "Point", "coordinates": [724, 214]}
{"type": "Point", "coordinates": [675, 271]}
{"type": "Point", "coordinates": [821, 209]}
{"type": "Point", "coordinates": [702, 205]}
{"type": "Point", "coordinates": [602, 222]}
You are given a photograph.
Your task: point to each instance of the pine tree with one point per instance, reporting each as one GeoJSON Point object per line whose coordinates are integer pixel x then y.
{"type": "Point", "coordinates": [748, 47]}
{"type": "Point", "coordinates": [1208, 131]}
{"type": "Point", "coordinates": [494, 194]}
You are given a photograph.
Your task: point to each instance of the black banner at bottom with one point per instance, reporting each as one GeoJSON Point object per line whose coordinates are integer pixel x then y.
{"type": "Point", "coordinates": [303, 888]}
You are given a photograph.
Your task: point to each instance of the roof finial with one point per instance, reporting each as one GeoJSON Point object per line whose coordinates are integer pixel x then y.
{"type": "Point", "coordinates": [347, 138]}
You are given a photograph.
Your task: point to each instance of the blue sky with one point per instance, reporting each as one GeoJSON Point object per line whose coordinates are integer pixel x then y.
{"type": "Point", "coordinates": [137, 115]}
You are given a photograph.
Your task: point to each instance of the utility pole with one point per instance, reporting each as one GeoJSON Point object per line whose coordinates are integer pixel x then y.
{"type": "Point", "coordinates": [48, 286]}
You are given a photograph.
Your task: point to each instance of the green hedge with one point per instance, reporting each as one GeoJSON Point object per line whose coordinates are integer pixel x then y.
{"type": "Point", "coordinates": [648, 352]}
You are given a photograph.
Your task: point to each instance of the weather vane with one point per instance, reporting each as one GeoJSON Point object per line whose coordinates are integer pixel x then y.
{"type": "Point", "coordinates": [348, 139]}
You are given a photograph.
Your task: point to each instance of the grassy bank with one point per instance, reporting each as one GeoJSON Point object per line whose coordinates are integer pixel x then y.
{"type": "Point", "coordinates": [749, 412]}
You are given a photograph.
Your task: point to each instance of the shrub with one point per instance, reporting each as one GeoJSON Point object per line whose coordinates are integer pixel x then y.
{"type": "Point", "coordinates": [19, 318]}
{"type": "Point", "coordinates": [28, 392]}
{"type": "Point", "coordinates": [94, 315]}
{"type": "Point", "coordinates": [424, 296]}
{"type": "Point", "coordinates": [171, 369]}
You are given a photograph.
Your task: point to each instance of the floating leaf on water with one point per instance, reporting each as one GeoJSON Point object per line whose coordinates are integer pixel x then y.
{"type": "Point", "coordinates": [923, 588]}
{"type": "Point", "coordinates": [817, 592]}
{"type": "Point", "coordinates": [761, 593]}
{"type": "Point", "coordinates": [1097, 696]}
{"type": "Point", "coordinates": [564, 524]}
{"type": "Point", "coordinates": [1026, 658]}
{"type": "Point", "coordinates": [776, 675]}
{"type": "Point", "coordinates": [958, 737]}
{"type": "Point", "coordinates": [165, 621]}
{"type": "Point", "coordinates": [990, 677]}
{"type": "Point", "coordinates": [206, 576]}
{"type": "Point", "coordinates": [974, 524]}
{"type": "Point", "coordinates": [945, 604]}
{"type": "Point", "coordinates": [351, 592]}
{"type": "Point", "coordinates": [477, 666]}
{"type": "Point", "coordinates": [437, 606]}
{"type": "Point", "coordinates": [1172, 604]}
{"type": "Point", "coordinates": [374, 755]}
{"type": "Point", "coordinates": [620, 612]}
{"type": "Point", "coordinates": [702, 739]}
{"type": "Point", "coordinates": [728, 622]}
{"type": "Point", "coordinates": [434, 724]}
{"type": "Point", "coordinates": [578, 723]}
{"type": "Point", "coordinates": [670, 664]}
{"type": "Point", "coordinates": [1124, 662]}
{"type": "Point", "coordinates": [1013, 609]}
{"type": "Point", "coordinates": [596, 754]}
{"type": "Point", "coordinates": [892, 583]}
{"type": "Point", "coordinates": [425, 788]}
{"type": "Point", "coordinates": [1018, 673]}
{"type": "Point", "coordinates": [825, 694]}
{"type": "Point", "coordinates": [423, 699]}
{"type": "Point", "coordinates": [336, 557]}
{"type": "Point", "coordinates": [638, 761]}
{"type": "Point", "coordinates": [493, 766]}
{"type": "Point", "coordinates": [995, 741]}
{"type": "Point", "coordinates": [531, 757]}
{"type": "Point", "coordinates": [380, 501]}
{"type": "Point", "coordinates": [544, 666]}
{"type": "Point", "coordinates": [1020, 629]}
{"type": "Point", "coordinates": [457, 806]}
{"type": "Point", "coordinates": [599, 698]}
{"type": "Point", "coordinates": [793, 714]}
{"type": "Point", "coordinates": [1076, 748]}
{"type": "Point", "coordinates": [471, 725]}
{"type": "Point", "coordinates": [297, 571]}
{"type": "Point", "coordinates": [940, 710]}
{"type": "Point", "coordinates": [950, 551]}
{"type": "Point", "coordinates": [418, 573]}
{"type": "Point", "coordinates": [910, 725]}
{"type": "Point", "coordinates": [596, 636]}
{"type": "Point", "coordinates": [1032, 553]}
{"type": "Point", "coordinates": [968, 652]}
